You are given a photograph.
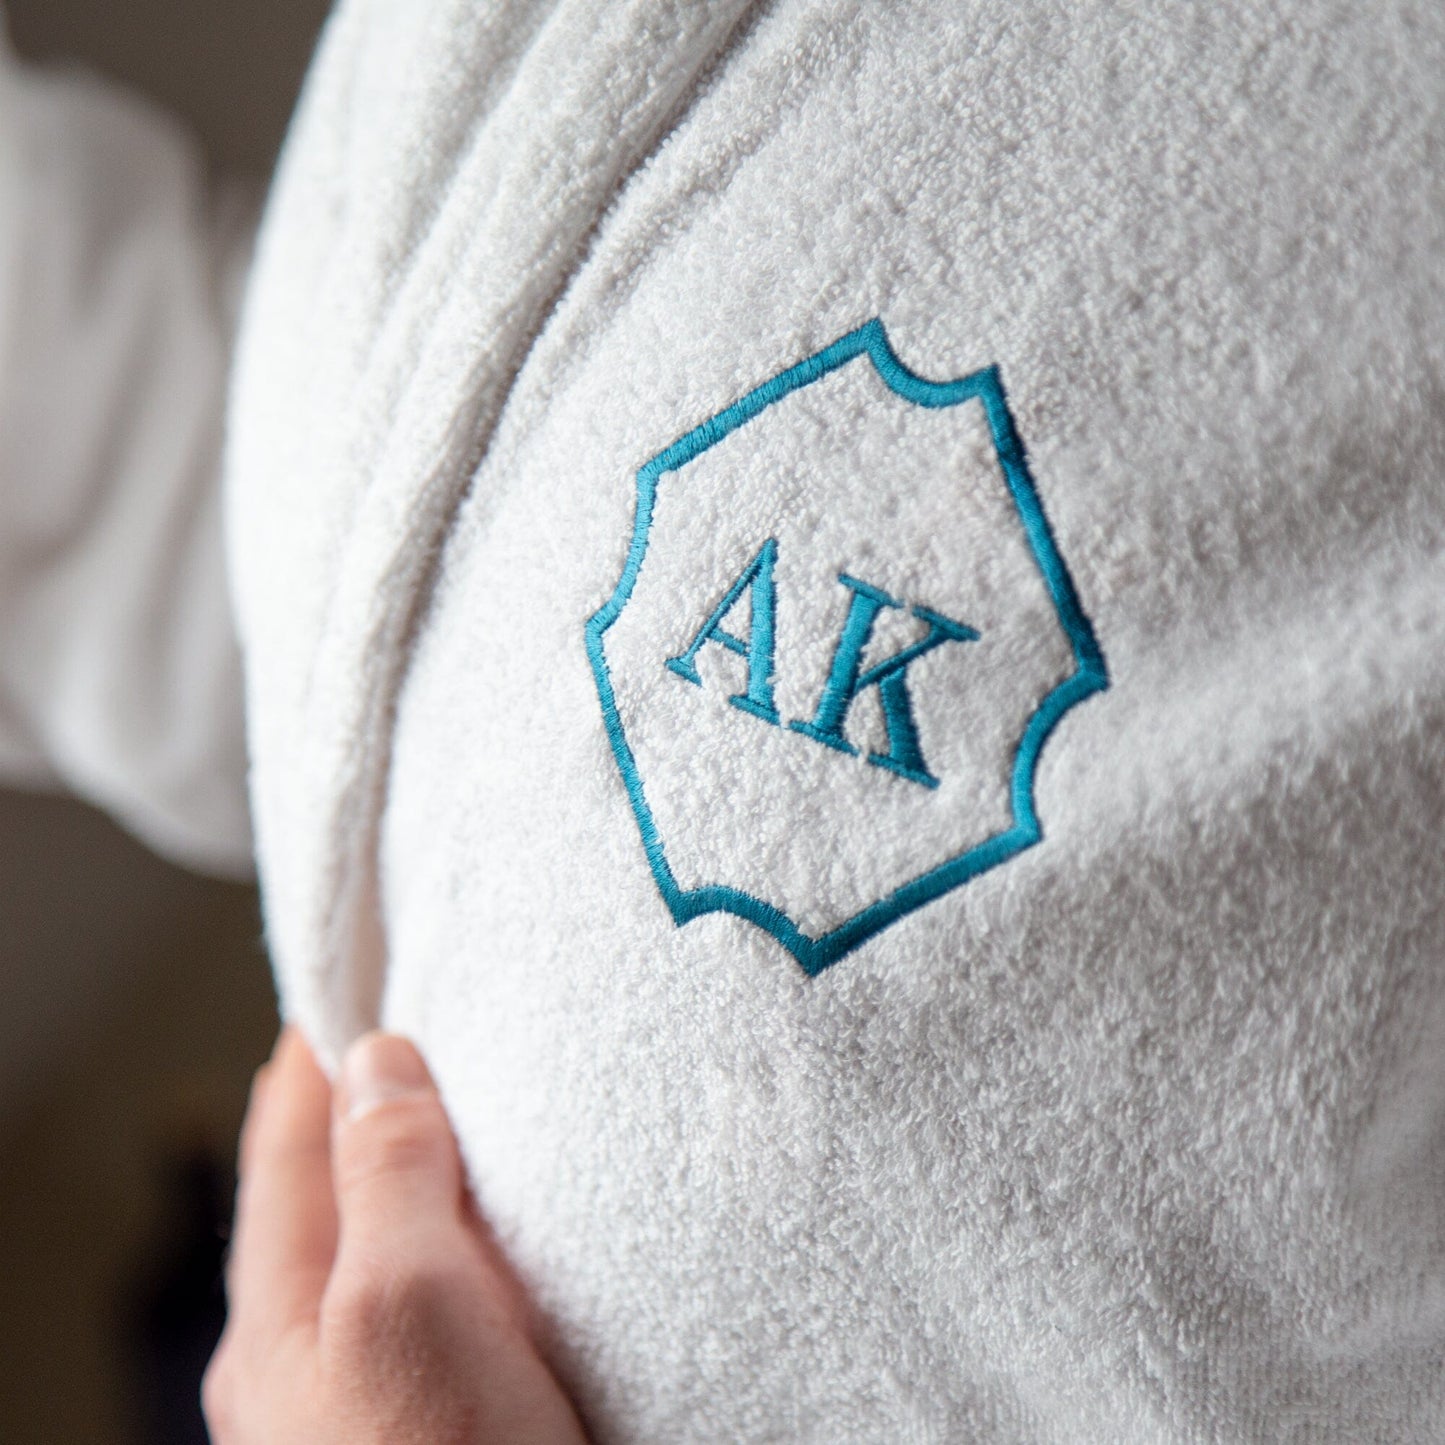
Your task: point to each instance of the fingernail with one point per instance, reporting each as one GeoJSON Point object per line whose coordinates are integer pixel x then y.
{"type": "Point", "coordinates": [378, 1067]}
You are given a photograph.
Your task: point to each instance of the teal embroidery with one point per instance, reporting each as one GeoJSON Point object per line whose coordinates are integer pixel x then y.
{"type": "Point", "coordinates": [756, 579]}
{"type": "Point", "coordinates": [846, 681]}
{"type": "Point", "coordinates": [1090, 674]}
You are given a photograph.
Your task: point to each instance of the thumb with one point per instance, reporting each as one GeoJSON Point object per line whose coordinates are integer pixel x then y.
{"type": "Point", "coordinates": [418, 1323]}
{"type": "Point", "coordinates": [396, 1170]}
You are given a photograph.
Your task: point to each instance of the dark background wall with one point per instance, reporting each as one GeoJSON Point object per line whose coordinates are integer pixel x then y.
{"type": "Point", "coordinates": [135, 999]}
{"type": "Point", "coordinates": [229, 68]}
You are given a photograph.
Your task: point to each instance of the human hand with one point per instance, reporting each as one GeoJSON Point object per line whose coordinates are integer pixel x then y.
{"type": "Point", "coordinates": [367, 1302]}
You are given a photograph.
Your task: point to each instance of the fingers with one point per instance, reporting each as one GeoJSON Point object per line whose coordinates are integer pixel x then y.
{"type": "Point", "coordinates": [285, 1237]}
{"type": "Point", "coordinates": [413, 1336]}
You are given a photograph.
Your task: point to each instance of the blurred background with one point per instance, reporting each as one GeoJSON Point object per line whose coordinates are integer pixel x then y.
{"type": "Point", "coordinates": [135, 999]}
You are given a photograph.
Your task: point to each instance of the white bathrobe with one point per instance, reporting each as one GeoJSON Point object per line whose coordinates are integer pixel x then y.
{"type": "Point", "coordinates": [844, 616]}
{"type": "Point", "coordinates": [119, 278]}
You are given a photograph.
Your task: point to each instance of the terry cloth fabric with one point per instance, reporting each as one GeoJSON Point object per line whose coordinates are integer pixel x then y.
{"type": "Point", "coordinates": [120, 678]}
{"type": "Point", "coordinates": [1043, 407]}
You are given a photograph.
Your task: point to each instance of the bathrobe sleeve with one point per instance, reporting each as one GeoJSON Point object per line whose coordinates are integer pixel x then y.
{"type": "Point", "coordinates": [119, 677]}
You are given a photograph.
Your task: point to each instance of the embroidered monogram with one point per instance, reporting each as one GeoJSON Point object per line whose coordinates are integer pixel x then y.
{"type": "Point", "coordinates": [869, 672]}
{"type": "Point", "coordinates": [846, 678]}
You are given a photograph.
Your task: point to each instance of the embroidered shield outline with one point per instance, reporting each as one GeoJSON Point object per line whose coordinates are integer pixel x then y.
{"type": "Point", "coordinates": [1090, 674]}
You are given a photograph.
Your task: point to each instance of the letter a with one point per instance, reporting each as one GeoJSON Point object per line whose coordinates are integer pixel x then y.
{"type": "Point", "coordinates": [846, 679]}
{"type": "Point", "coordinates": [757, 579]}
